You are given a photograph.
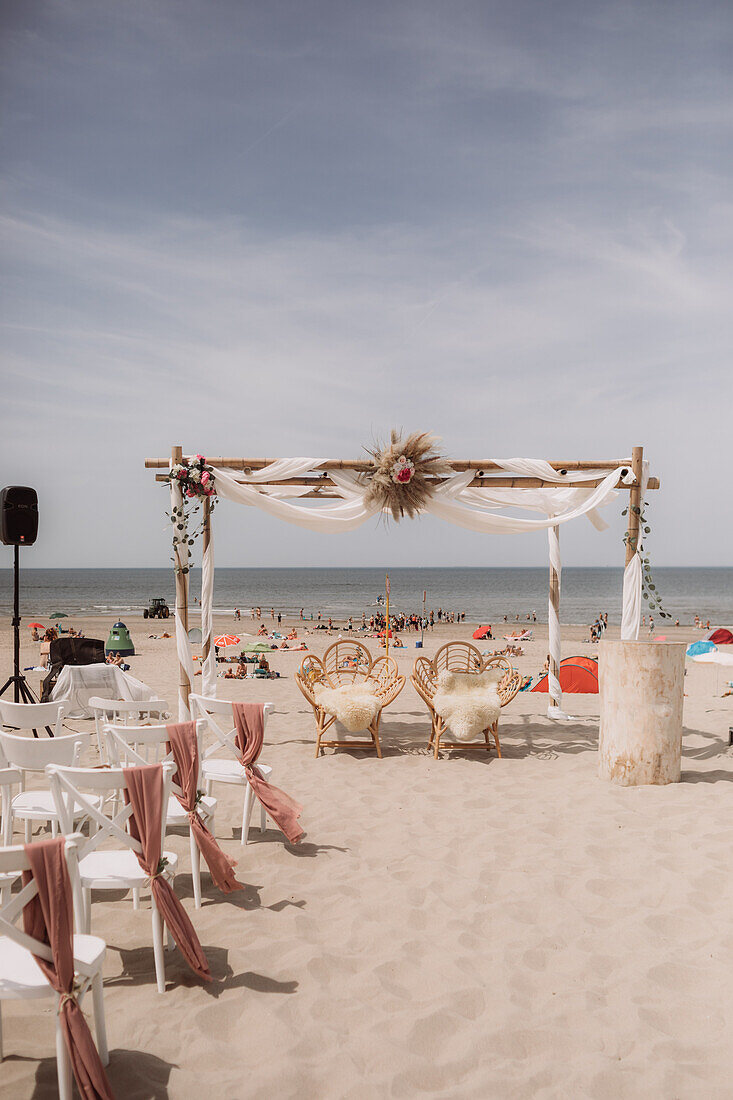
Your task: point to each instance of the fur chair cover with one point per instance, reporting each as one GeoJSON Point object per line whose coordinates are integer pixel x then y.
{"type": "Point", "coordinates": [468, 701]}
{"type": "Point", "coordinates": [355, 705]}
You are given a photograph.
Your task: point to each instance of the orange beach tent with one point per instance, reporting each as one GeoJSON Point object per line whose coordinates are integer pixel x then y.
{"type": "Point", "coordinates": [578, 676]}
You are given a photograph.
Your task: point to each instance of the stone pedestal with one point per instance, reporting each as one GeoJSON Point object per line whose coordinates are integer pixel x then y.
{"type": "Point", "coordinates": [642, 688]}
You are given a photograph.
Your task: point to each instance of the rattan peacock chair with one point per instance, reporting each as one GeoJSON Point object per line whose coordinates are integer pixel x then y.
{"type": "Point", "coordinates": [346, 662]}
{"type": "Point", "coordinates": [460, 657]}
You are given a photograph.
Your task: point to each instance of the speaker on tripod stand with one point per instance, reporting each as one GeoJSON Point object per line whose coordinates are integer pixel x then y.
{"type": "Point", "coordinates": [18, 527]}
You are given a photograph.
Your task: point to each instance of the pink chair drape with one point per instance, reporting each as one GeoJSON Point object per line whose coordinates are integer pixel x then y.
{"type": "Point", "coordinates": [144, 792]}
{"type": "Point", "coordinates": [250, 726]}
{"type": "Point", "coordinates": [48, 917]}
{"type": "Point", "coordinates": [183, 743]}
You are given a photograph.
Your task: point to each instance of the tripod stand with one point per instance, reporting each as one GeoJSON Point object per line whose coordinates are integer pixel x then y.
{"type": "Point", "coordinates": [21, 691]}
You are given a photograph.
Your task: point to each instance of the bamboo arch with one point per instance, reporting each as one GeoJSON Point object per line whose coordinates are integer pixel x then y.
{"type": "Point", "coordinates": [318, 484]}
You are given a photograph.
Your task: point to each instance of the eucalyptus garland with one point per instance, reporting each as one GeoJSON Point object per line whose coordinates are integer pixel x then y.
{"type": "Point", "coordinates": [637, 542]}
{"type": "Point", "coordinates": [196, 481]}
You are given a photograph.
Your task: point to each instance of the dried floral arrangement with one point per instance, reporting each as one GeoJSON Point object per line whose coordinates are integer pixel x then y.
{"type": "Point", "coordinates": [399, 482]}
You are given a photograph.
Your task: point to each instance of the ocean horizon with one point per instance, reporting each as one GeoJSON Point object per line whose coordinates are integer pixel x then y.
{"type": "Point", "coordinates": [484, 594]}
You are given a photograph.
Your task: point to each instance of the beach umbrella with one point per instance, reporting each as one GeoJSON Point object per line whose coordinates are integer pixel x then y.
{"type": "Point", "coordinates": [59, 615]}
{"type": "Point", "coordinates": [225, 640]}
{"type": "Point", "coordinates": [481, 632]}
{"type": "Point", "coordinates": [694, 649]}
{"type": "Point", "coordinates": [36, 626]}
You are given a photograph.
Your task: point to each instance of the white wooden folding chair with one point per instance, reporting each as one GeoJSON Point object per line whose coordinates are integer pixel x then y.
{"type": "Point", "coordinates": [130, 746]}
{"type": "Point", "coordinates": [31, 755]}
{"type": "Point", "coordinates": [122, 712]}
{"type": "Point", "coordinates": [33, 716]}
{"type": "Point", "coordinates": [111, 868]}
{"type": "Point", "coordinates": [21, 978]}
{"type": "Point", "coordinates": [227, 768]}
{"type": "Point", "coordinates": [9, 778]}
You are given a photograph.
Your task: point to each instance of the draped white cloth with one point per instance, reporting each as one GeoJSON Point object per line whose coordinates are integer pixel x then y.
{"type": "Point", "coordinates": [453, 501]}
{"type": "Point", "coordinates": [631, 603]}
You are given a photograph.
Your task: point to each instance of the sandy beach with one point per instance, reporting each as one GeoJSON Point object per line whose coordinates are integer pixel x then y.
{"type": "Point", "coordinates": [467, 927]}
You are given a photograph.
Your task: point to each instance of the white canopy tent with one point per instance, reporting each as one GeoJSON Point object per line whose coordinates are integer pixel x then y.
{"type": "Point", "coordinates": [478, 495]}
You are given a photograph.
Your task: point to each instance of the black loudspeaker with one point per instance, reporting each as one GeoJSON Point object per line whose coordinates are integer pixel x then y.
{"type": "Point", "coordinates": [18, 515]}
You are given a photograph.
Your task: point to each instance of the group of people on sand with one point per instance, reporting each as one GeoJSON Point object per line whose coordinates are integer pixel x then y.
{"type": "Point", "coordinates": [599, 626]}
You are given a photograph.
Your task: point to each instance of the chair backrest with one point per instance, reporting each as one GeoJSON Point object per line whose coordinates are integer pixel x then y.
{"type": "Point", "coordinates": [9, 778]}
{"type": "Point", "coordinates": [34, 754]}
{"type": "Point", "coordinates": [73, 791]}
{"type": "Point", "coordinates": [133, 746]}
{"type": "Point", "coordinates": [346, 661]}
{"type": "Point", "coordinates": [123, 712]}
{"type": "Point", "coordinates": [458, 657]}
{"type": "Point", "coordinates": [217, 713]}
{"type": "Point", "coordinates": [33, 716]}
{"type": "Point", "coordinates": [13, 861]}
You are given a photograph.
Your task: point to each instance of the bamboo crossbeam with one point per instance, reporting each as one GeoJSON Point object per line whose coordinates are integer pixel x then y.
{"type": "Point", "coordinates": [325, 483]}
{"type": "Point", "coordinates": [459, 465]}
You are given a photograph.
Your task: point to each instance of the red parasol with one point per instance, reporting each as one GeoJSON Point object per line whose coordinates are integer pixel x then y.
{"type": "Point", "coordinates": [225, 640]}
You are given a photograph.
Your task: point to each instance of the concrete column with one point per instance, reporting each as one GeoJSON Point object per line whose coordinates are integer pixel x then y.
{"type": "Point", "coordinates": [642, 688]}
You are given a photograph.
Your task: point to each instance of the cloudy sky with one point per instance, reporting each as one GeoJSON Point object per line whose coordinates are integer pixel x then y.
{"type": "Point", "coordinates": [281, 228]}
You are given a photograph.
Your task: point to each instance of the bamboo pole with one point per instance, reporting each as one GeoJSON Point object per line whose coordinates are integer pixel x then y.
{"type": "Point", "coordinates": [184, 687]}
{"type": "Point", "coordinates": [632, 531]}
{"type": "Point", "coordinates": [555, 601]}
{"type": "Point", "coordinates": [458, 465]}
{"type": "Point", "coordinates": [205, 542]}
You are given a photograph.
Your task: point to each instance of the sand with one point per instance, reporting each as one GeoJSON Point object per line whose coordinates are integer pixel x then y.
{"type": "Point", "coordinates": [467, 927]}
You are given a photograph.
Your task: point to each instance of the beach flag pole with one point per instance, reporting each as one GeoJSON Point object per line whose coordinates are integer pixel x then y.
{"type": "Point", "coordinates": [386, 634]}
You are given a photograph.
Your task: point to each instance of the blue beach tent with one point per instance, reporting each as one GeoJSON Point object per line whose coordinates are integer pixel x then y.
{"type": "Point", "coordinates": [694, 649]}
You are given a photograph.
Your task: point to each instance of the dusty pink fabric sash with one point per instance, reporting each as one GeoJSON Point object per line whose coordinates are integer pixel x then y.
{"type": "Point", "coordinates": [144, 792]}
{"type": "Point", "coordinates": [250, 725]}
{"type": "Point", "coordinates": [48, 917]}
{"type": "Point", "coordinates": [183, 743]}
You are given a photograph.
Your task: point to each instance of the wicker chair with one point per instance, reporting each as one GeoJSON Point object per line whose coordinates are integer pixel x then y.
{"type": "Point", "coordinates": [460, 657]}
{"type": "Point", "coordinates": [345, 662]}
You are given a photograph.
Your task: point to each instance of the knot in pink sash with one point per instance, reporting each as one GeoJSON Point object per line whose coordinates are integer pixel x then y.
{"type": "Point", "coordinates": [144, 792]}
{"type": "Point", "coordinates": [48, 917]}
{"type": "Point", "coordinates": [183, 744]}
{"type": "Point", "coordinates": [249, 722]}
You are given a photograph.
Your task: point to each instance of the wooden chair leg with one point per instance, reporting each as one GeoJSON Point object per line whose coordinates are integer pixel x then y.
{"type": "Point", "coordinates": [374, 730]}
{"type": "Point", "coordinates": [495, 731]}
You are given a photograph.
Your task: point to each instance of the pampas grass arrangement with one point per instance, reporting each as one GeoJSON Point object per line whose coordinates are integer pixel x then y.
{"type": "Point", "coordinates": [399, 482]}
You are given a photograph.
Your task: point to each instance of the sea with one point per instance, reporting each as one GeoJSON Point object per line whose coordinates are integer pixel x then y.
{"type": "Point", "coordinates": [485, 595]}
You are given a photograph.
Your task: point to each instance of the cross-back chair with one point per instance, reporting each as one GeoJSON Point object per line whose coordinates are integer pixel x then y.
{"type": "Point", "coordinates": [30, 756]}
{"type": "Point", "coordinates": [123, 712]}
{"type": "Point", "coordinates": [21, 978]}
{"type": "Point", "coordinates": [131, 746]}
{"type": "Point", "coordinates": [220, 761]}
{"type": "Point", "coordinates": [34, 716]}
{"type": "Point", "coordinates": [460, 657]}
{"type": "Point", "coordinates": [9, 778]}
{"type": "Point", "coordinates": [348, 661]}
{"type": "Point", "coordinates": [111, 868]}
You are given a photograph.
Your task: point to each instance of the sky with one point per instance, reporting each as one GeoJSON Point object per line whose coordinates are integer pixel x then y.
{"type": "Point", "coordinates": [276, 229]}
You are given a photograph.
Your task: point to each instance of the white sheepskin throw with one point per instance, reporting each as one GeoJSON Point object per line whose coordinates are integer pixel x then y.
{"type": "Point", "coordinates": [468, 702]}
{"type": "Point", "coordinates": [355, 705]}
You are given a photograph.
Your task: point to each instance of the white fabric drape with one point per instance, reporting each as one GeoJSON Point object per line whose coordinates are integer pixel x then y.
{"type": "Point", "coordinates": [453, 501]}
{"type": "Point", "coordinates": [208, 669]}
{"type": "Point", "coordinates": [182, 646]}
{"type": "Point", "coordinates": [553, 620]}
{"type": "Point", "coordinates": [631, 603]}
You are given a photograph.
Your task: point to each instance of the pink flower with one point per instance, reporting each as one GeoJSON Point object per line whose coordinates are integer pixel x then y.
{"type": "Point", "coordinates": [201, 458]}
{"type": "Point", "coordinates": [190, 493]}
{"type": "Point", "coordinates": [205, 477]}
{"type": "Point", "coordinates": [404, 475]}
{"type": "Point", "coordinates": [181, 474]}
